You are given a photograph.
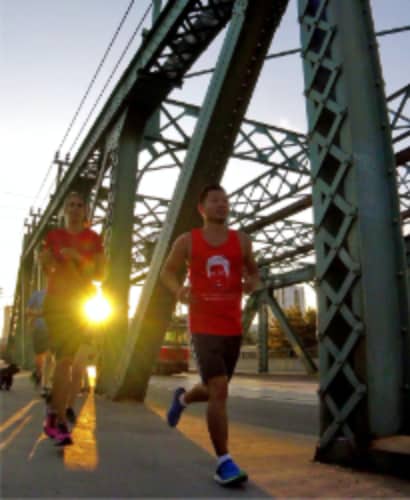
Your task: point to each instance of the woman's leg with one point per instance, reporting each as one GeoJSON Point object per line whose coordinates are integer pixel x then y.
{"type": "Point", "coordinates": [48, 368]}
{"type": "Point", "coordinates": [61, 387]}
{"type": "Point", "coordinates": [78, 372]}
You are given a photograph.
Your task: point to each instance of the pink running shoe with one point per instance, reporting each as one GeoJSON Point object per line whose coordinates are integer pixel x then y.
{"type": "Point", "coordinates": [50, 424]}
{"type": "Point", "coordinates": [63, 436]}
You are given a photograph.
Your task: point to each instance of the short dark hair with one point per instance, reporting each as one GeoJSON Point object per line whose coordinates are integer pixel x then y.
{"type": "Point", "coordinates": [207, 189]}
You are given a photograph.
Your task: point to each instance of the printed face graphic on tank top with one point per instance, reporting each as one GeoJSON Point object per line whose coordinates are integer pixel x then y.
{"type": "Point", "coordinates": [218, 271]}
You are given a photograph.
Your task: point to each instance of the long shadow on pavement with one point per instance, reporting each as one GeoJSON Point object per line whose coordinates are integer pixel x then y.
{"type": "Point", "coordinates": [121, 450]}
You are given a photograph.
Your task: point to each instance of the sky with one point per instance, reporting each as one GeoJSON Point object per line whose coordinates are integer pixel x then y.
{"type": "Point", "coordinates": [49, 51]}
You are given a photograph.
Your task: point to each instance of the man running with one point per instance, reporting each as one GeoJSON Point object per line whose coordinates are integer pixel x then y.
{"type": "Point", "coordinates": [221, 267]}
{"type": "Point", "coordinates": [73, 257]}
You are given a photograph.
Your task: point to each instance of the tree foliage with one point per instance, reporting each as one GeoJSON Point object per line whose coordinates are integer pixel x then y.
{"type": "Point", "coordinates": [304, 326]}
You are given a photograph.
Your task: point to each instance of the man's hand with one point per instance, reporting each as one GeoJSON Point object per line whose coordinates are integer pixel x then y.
{"type": "Point", "coordinates": [184, 295]}
{"type": "Point", "coordinates": [247, 286]}
{"type": "Point", "coordinates": [251, 283]}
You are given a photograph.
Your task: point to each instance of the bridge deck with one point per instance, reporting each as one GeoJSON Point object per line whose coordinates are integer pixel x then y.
{"type": "Point", "coordinates": [126, 450]}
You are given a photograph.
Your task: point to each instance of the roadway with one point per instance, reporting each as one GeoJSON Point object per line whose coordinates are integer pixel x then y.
{"type": "Point", "coordinates": [281, 403]}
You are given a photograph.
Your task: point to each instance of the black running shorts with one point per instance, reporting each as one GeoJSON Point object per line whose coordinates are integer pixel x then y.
{"type": "Point", "coordinates": [66, 325]}
{"type": "Point", "coordinates": [215, 355]}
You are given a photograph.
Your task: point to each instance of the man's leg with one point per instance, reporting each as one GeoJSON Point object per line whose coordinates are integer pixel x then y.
{"type": "Point", "coordinates": [198, 394]}
{"type": "Point", "coordinates": [227, 472]}
{"type": "Point", "coordinates": [182, 398]}
{"type": "Point", "coordinates": [217, 417]}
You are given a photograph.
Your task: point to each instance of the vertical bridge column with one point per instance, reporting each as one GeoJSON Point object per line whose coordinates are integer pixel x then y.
{"type": "Point", "coordinates": [263, 337]}
{"type": "Point", "coordinates": [363, 311]}
{"type": "Point", "coordinates": [119, 241]}
{"type": "Point", "coordinates": [246, 44]}
{"type": "Point", "coordinates": [19, 345]}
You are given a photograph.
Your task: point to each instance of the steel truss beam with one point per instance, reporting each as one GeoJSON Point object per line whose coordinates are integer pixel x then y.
{"type": "Point", "coordinates": [181, 33]}
{"type": "Point", "coordinates": [282, 152]}
{"type": "Point", "coordinates": [118, 238]}
{"type": "Point", "coordinates": [177, 123]}
{"type": "Point", "coordinates": [245, 46]}
{"type": "Point", "coordinates": [168, 152]}
{"type": "Point", "coordinates": [358, 244]}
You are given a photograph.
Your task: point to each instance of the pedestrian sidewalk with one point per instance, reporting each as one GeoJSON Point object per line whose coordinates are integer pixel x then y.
{"type": "Point", "coordinates": [125, 450]}
{"type": "Point", "coordinates": [120, 450]}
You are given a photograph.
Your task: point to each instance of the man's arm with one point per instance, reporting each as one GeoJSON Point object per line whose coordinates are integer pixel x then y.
{"type": "Point", "coordinates": [251, 272]}
{"type": "Point", "coordinates": [173, 266]}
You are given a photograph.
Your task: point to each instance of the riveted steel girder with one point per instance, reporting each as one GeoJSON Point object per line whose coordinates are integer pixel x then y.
{"type": "Point", "coordinates": [251, 202]}
{"type": "Point", "coordinates": [263, 336]}
{"type": "Point", "coordinates": [118, 238]}
{"type": "Point", "coordinates": [358, 244]}
{"type": "Point", "coordinates": [181, 33]}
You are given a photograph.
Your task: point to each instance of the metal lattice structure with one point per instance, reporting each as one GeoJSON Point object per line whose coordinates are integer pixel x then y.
{"type": "Point", "coordinates": [352, 165]}
{"type": "Point", "coordinates": [126, 150]}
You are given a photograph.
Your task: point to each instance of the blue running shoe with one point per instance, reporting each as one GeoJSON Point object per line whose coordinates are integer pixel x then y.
{"type": "Point", "coordinates": [229, 474]}
{"type": "Point", "coordinates": [174, 413]}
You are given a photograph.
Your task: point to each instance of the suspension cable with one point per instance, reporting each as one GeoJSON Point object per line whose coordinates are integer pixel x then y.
{"type": "Point", "coordinates": [104, 58]}
{"type": "Point", "coordinates": [124, 52]}
{"type": "Point", "coordinates": [87, 92]}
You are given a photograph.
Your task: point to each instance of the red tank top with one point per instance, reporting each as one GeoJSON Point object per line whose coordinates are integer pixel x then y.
{"type": "Point", "coordinates": [215, 275]}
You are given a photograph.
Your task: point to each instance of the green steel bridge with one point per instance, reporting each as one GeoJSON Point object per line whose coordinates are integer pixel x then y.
{"type": "Point", "coordinates": [351, 170]}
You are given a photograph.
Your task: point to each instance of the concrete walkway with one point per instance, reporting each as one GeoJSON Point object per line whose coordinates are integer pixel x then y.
{"type": "Point", "coordinates": [126, 450]}
{"type": "Point", "coordinates": [121, 450]}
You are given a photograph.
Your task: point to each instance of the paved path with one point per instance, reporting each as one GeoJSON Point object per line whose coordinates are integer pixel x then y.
{"type": "Point", "coordinates": [286, 389]}
{"type": "Point", "coordinates": [125, 450]}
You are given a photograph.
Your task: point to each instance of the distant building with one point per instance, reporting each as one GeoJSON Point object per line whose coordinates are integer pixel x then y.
{"type": "Point", "coordinates": [6, 322]}
{"type": "Point", "coordinates": [292, 296]}
{"type": "Point", "coordinates": [5, 331]}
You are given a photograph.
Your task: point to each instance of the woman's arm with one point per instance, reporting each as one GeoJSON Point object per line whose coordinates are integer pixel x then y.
{"type": "Point", "coordinates": [99, 266]}
{"type": "Point", "coordinates": [47, 260]}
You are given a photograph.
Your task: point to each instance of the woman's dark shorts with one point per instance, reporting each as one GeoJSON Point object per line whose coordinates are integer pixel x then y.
{"type": "Point", "coordinates": [41, 342]}
{"type": "Point", "coordinates": [66, 325]}
{"type": "Point", "coordinates": [216, 355]}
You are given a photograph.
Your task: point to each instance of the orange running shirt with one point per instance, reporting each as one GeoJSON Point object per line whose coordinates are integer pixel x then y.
{"type": "Point", "coordinates": [68, 278]}
{"type": "Point", "coordinates": [215, 275]}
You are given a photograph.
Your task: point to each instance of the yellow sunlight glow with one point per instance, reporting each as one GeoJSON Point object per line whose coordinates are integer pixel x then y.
{"type": "Point", "coordinates": [92, 375]}
{"type": "Point", "coordinates": [83, 454]}
{"type": "Point", "coordinates": [97, 309]}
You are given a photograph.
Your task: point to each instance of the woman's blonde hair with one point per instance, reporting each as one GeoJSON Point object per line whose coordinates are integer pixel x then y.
{"type": "Point", "coordinates": [77, 194]}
